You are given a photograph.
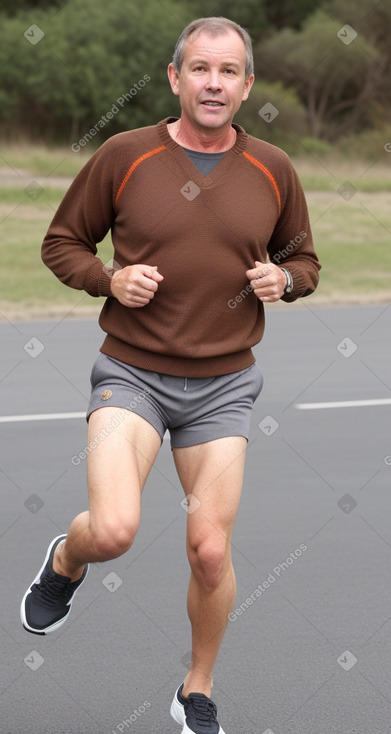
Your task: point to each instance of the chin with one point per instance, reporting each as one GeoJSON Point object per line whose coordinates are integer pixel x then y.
{"type": "Point", "coordinates": [210, 123]}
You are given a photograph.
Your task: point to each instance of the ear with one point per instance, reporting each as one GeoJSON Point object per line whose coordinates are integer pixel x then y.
{"type": "Point", "coordinates": [247, 87]}
{"type": "Point", "coordinates": [173, 77]}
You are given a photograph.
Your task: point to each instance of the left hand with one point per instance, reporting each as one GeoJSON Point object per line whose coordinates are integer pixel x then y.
{"type": "Point", "coordinates": [268, 281]}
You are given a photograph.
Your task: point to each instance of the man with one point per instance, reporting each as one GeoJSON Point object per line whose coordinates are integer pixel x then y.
{"type": "Point", "coordinates": [198, 211]}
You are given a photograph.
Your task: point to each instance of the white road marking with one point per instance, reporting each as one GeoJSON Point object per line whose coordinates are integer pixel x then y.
{"type": "Point", "coordinates": [39, 417]}
{"type": "Point", "coordinates": [343, 404]}
{"type": "Point", "coordinates": [299, 406]}
{"type": "Point", "coordinates": [48, 417]}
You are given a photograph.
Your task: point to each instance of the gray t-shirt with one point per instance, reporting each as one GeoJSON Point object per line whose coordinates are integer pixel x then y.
{"type": "Point", "coordinates": [204, 161]}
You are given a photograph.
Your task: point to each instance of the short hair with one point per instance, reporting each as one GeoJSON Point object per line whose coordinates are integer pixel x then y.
{"type": "Point", "coordinates": [215, 26]}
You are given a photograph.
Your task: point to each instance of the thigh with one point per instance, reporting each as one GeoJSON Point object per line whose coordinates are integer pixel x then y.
{"type": "Point", "coordinates": [211, 474]}
{"type": "Point", "coordinates": [218, 407]}
{"type": "Point", "coordinates": [122, 448]}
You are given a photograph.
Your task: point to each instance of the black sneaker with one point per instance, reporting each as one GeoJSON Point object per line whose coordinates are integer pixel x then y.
{"type": "Point", "coordinates": [196, 713]}
{"type": "Point", "coordinates": [47, 602]}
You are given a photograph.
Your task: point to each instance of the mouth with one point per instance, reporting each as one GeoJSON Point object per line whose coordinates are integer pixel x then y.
{"type": "Point", "coordinates": [212, 103]}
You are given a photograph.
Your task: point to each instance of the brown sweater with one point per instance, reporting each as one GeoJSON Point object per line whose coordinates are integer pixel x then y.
{"type": "Point", "coordinates": [203, 233]}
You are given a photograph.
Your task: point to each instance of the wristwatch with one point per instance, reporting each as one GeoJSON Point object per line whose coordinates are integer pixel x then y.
{"type": "Point", "coordinates": [289, 281]}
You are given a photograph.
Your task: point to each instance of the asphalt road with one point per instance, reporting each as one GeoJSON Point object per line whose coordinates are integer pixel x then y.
{"type": "Point", "coordinates": [308, 648]}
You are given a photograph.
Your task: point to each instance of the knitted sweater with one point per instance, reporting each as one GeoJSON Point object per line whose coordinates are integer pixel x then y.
{"type": "Point", "coordinates": [203, 233]}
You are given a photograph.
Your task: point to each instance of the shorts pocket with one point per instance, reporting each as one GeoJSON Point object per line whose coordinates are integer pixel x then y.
{"type": "Point", "coordinates": [257, 381]}
{"type": "Point", "coordinates": [99, 370]}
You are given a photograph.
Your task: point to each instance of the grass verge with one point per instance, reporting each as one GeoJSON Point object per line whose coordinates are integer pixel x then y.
{"type": "Point", "coordinates": [42, 161]}
{"type": "Point", "coordinates": [351, 231]}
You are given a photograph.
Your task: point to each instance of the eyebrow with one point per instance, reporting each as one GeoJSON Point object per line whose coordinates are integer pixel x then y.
{"type": "Point", "coordinates": [222, 63]}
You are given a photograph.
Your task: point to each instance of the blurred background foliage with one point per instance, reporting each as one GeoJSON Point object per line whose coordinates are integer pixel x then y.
{"type": "Point", "coordinates": [330, 96]}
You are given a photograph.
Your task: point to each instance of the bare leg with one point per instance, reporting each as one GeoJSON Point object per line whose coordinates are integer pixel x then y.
{"type": "Point", "coordinates": [116, 473]}
{"type": "Point", "coordinates": [213, 473]}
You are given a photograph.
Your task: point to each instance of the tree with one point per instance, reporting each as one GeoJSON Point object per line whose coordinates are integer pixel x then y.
{"type": "Point", "coordinates": [94, 53]}
{"type": "Point", "coordinates": [284, 130]}
{"type": "Point", "coordinates": [289, 13]}
{"type": "Point", "coordinates": [13, 7]}
{"type": "Point", "coordinates": [336, 81]}
{"type": "Point", "coordinates": [91, 55]}
{"type": "Point", "coordinates": [373, 23]}
{"type": "Point", "coordinates": [259, 17]}
{"type": "Point", "coordinates": [250, 14]}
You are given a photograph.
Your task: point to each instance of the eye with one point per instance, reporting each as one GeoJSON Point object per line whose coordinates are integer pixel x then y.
{"type": "Point", "coordinates": [229, 71]}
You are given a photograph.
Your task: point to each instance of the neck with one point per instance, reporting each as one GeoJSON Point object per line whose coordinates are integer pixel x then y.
{"type": "Point", "coordinates": [210, 141]}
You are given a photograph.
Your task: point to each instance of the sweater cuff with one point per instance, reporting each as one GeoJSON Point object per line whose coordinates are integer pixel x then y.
{"type": "Point", "coordinates": [304, 283]}
{"type": "Point", "coordinates": [98, 280]}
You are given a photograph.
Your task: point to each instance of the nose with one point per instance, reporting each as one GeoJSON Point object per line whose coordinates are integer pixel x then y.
{"type": "Point", "coordinates": [214, 81]}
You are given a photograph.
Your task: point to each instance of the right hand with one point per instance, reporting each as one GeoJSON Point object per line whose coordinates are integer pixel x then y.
{"type": "Point", "coordinates": [135, 285]}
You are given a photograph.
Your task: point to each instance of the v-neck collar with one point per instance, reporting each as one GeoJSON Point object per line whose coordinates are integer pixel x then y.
{"type": "Point", "coordinates": [218, 171]}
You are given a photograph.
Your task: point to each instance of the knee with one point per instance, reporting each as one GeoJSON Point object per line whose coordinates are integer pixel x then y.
{"type": "Point", "coordinates": [113, 538]}
{"type": "Point", "coordinates": [209, 560]}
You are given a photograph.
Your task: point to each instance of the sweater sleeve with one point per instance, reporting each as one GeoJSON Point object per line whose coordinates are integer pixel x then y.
{"type": "Point", "coordinates": [291, 245]}
{"type": "Point", "coordinates": [82, 220]}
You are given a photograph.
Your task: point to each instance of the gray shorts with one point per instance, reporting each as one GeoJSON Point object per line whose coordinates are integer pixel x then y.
{"type": "Point", "coordinates": [193, 409]}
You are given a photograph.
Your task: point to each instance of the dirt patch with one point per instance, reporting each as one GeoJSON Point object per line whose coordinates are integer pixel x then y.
{"type": "Point", "coordinates": [10, 312]}
{"type": "Point", "coordinates": [380, 199]}
{"type": "Point", "coordinates": [25, 212]}
{"type": "Point", "coordinates": [17, 177]}
{"type": "Point", "coordinates": [14, 312]}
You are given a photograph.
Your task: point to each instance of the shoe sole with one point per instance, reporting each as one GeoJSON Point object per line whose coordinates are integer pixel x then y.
{"type": "Point", "coordinates": [58, 624]}
{"type": "Point", "coordinates": [177, 712]}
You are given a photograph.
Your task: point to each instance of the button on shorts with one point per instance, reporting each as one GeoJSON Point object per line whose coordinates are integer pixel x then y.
{"type": "Point", "coordinates": [193, 409]}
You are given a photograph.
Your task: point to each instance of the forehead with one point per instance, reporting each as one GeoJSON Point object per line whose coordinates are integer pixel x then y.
{"type": "Point", "coordinates": [227, 45]}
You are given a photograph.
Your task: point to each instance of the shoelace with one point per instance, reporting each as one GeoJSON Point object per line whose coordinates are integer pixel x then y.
{"type": "Point", "coordinates": [204, 709]}
{"type": "Point", "coordinates": [51, 589]}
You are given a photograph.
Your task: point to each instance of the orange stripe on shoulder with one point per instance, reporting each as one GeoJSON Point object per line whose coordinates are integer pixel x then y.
{"type": "Point", "coordinates": [269, 175]}
{"type": "Point", "coordinates": [134, 166]}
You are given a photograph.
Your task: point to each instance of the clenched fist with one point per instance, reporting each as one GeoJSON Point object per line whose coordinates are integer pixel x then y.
{"type": "Point", "coordinates": [267, 280]}
{"type": "Point", "coordinates": [135, 285]}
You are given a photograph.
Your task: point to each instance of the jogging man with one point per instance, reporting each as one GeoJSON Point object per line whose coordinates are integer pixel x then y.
{"type": "Point", "coordinates": [202, 215]}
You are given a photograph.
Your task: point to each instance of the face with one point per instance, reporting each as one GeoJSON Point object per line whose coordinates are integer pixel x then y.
{"type": "Point", "coordinates": [211, 84]}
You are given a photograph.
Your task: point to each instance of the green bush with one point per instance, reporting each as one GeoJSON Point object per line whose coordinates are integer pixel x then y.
{"type": "Point", "coordinates": [315, 147]}
{"type": "Point", "coordinates": [369, 145]}
{"type": "Point", "coordinates": [286, 129]}
{"type": "Point", "coordinates": [92, 54]}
